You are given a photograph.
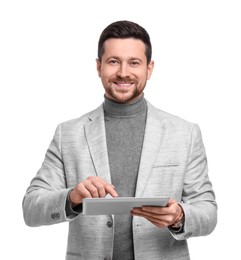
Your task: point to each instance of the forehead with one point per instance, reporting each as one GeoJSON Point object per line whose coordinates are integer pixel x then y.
{"type": "Point", "coordinates": [124, 48]}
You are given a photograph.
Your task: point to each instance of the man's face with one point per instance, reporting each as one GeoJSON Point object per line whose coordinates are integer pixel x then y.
{"type": "Point", "coordinates": [123, 69]}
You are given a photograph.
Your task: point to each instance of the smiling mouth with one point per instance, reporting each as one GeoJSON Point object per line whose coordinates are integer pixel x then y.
{"type": "Point", "coordinates": [123, 84]}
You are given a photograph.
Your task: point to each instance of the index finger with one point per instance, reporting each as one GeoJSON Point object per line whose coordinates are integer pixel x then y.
{"type": "Point", "coordinates": [100, 183]}
{"type": "Point", "coordinates": [111, 190]}
{"type": "Point", "coordinates": [156, 209]}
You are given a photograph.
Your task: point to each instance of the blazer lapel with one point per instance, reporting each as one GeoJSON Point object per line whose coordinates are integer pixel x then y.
{"type": "Point", "coordinates": [150, 149]}
{"type": "Point", "coordinates": [96, 139]}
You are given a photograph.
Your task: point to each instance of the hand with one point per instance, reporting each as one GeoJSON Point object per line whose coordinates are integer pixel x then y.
{"type": "Point", "coordinates": [92, 187]}
{"type": "Point", "coordinates": [160, 216]}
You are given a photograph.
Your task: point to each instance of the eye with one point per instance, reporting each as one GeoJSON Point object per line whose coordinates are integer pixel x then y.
{"type": "Point", "coordinates": [135, 63]}
{"type": "Point", "coordinates": [113, 61]}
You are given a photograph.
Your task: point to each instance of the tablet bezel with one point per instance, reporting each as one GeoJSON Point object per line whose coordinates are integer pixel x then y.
{"type": "Point", "coordinates": [119, 205]}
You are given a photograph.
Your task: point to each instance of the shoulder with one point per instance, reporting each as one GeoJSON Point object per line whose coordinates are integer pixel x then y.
{"type": "Point", "coordinates": [174, 129]}
{"type": "Point", "coordinates": [78, 123]}
{"type": "Point", "coordinates": [166, 119]}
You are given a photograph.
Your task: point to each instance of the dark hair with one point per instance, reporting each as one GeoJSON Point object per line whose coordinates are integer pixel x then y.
{"type": "Point", "coordinates": [124, 30]}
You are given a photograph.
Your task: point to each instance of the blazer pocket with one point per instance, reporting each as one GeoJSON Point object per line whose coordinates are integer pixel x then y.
{"type": "Point", "coordinates": [160, 182]}
{"type": "Point", "coordinates": [73, 256]}
{"type": "Point", "coordinates": [170, 164]}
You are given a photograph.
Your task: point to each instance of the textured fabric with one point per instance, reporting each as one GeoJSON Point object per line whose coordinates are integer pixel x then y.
{"type": "Point", "coordinates": [125, 126]}
{"type": "Point", "coordinates": [173, 162]}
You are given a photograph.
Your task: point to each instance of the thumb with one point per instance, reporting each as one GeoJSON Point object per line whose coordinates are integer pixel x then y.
{"type": "Point", "coordinates": [170, 202]}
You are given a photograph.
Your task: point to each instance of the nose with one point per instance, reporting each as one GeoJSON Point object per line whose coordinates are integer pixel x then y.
{"type": "Point", "coordinates": [123, 71]}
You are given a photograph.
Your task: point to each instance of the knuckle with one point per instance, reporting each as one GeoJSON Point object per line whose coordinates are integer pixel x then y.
{"type": "Point", "coordinates": [94, 190]}
{"type": "Point", "coordinates": [90, 178]}
{"type": "Point", "coordinates": [100, 187]}
{"type": "Point", "coordinates": [79, 186]}
{"type": "Point", "coordinates": [85, 194]}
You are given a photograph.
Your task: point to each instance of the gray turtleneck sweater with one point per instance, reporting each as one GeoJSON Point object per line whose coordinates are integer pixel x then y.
{"type": "Point", "coordinates": [125, 127]}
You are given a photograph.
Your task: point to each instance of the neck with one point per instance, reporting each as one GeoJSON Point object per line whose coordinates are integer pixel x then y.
{"type": "Point", "coordinates": [127, 109]}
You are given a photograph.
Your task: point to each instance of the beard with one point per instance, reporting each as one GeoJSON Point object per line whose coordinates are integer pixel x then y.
{"type": "Point", "coordinates": [123, 95]}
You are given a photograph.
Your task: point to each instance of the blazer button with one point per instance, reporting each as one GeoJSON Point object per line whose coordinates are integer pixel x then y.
{"type": "Point", "coordinates": [55, 216]}
{"type": "Point", "coordinates": [109, 224]}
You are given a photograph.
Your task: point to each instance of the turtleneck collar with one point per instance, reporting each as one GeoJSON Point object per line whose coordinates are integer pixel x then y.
{"type": "Point", "coordinates": [114, 108]}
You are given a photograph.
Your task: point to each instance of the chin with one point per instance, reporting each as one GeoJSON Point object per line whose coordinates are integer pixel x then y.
{"type": "Point", "coordinates": [126, 98]}
{"type": "Point", "coordinates": [123, 96]}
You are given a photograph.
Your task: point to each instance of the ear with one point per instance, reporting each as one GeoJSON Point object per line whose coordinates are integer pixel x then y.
{"type": "Point", "coordinates": [98, 66]}
{"type": "Point", "coordinates": [150, 68]}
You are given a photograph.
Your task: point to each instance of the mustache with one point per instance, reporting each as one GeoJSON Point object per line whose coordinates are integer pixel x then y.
{"type": "Point", "coordinates": [124, 79]}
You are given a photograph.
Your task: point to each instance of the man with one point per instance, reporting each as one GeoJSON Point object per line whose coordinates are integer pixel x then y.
{"type": "Point", "coordinates": [126, 147]}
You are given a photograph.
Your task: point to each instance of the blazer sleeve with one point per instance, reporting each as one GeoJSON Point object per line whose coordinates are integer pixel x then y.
{"type": "Point", "coordinates": [198, 198]}
{"type": "Point", "coordinates": [45, 199]}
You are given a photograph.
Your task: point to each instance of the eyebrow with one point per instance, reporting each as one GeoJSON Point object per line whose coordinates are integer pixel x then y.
{"type": "Point", "coordinates": [118, 58]}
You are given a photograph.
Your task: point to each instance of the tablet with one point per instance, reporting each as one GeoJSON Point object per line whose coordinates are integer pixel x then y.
{"type": "Point", "coordinates": [120, 205]}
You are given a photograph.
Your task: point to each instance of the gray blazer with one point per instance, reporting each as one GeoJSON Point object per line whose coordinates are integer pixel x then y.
{"type": "Point", "coordinates": [173, 162]}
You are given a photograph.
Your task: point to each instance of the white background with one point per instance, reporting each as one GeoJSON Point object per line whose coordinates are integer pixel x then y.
{"type": "Point", "coordinates": [48, 75]}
